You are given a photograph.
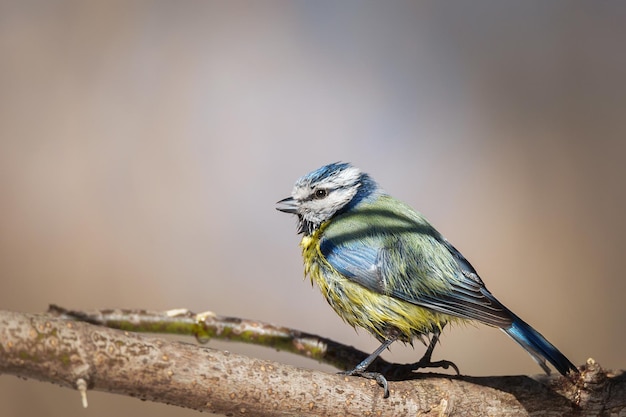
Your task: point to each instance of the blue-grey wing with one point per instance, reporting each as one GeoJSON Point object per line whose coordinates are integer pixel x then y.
{"type": "Point", "coordinates": [356, 261]}
{"type": "Point", "coordinates": [394, 267]}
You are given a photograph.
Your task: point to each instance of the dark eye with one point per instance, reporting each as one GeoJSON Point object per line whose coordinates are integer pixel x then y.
{"type": "Point", "coordinates": [320, 193]}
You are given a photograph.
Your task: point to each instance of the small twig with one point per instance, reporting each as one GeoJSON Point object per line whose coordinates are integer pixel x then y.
{"type": "Point", "coordinates": [81, 386]}
{"type": "Point", "coordinates": [208, 325]}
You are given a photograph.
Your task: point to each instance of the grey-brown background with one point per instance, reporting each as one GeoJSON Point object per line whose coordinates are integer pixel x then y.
{"type": "Point", "coordinates": [144, 144]}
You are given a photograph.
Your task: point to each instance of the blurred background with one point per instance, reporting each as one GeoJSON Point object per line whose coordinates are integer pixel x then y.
{"type": "Point", "coordinates": [143, 145]}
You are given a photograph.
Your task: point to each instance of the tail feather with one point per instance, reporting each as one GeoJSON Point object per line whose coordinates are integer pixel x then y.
{"type": "Point", "coordinates": [538, 347]}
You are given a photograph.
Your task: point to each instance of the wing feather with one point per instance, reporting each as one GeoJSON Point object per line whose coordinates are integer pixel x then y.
{"type": "Point", "coordinates": [410, 261]}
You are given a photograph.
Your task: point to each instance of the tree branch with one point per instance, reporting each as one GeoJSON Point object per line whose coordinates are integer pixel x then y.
{"type": "Point", "coordinates": [208, 325]}
{"type": "Point", "coordinates": [71, 354]}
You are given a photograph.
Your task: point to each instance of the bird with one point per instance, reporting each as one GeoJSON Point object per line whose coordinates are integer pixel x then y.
{"type": "Point", "coordinates": [383, 267]}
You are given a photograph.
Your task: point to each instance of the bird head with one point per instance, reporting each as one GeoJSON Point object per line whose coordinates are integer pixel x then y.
{"type": "Point", "coordinates": [319, 195]}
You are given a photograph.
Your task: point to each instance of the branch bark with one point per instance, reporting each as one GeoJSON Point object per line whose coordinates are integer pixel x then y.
{"type": "Point", "coordinates": [74, 354]}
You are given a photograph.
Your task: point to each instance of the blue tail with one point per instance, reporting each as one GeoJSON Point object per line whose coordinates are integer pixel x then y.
{"type": "Point", "coordinates": [538, 347]}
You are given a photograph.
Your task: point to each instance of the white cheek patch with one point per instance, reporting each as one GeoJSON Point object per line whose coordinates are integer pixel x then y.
{"type": "Point", "coordinates": [339, 198]}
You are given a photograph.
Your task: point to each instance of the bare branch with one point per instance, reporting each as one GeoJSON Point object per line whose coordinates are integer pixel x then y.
{"type": "Point", "coordinates": [65, 352]}
{"type": "Point", "coordinates": [208, 325]}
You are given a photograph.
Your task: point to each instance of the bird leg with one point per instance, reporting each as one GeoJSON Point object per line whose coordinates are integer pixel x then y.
{"type": "Point", "coordinates": [426, 361]}
{"type": "Point", "coordinates": [361, 368]}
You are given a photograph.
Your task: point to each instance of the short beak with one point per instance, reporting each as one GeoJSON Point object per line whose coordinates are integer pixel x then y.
{"type": "Point", "coordinates": [287, 205]}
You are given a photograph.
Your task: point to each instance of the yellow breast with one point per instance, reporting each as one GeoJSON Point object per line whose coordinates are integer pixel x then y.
{"type": "Point", "coordinates": [358, 306]}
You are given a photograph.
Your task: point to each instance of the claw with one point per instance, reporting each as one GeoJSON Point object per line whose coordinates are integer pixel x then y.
{"type": "Point", "coordinates": [425, 362]}
{"type": "Point", "coordinates": [382, 381]}
{"type": "Point", "coordinates": [378, 377]}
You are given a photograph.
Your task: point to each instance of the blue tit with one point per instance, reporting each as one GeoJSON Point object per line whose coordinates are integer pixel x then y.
{"type": "Point", "coordinates": [383, 267]}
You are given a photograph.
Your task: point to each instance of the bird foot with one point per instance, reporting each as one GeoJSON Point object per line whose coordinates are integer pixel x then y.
{"type": "Point", "coordinates": [378, 377]}
{"type": "Point", "coordinates": [422, 364]}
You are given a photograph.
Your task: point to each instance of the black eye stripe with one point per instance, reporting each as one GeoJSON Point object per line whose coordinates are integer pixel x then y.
{"type": "Point", "coordinates": [319, 193]}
